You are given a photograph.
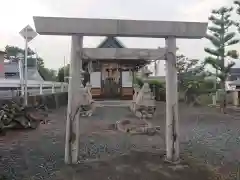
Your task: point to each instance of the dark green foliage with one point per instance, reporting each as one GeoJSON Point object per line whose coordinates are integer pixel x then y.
{"type": "Point", "coordinates": [157, 87]}
{"type": "Point", "coordinates": [63, 72]}
{"type": "Point", "coordinates": [159, 90]}
{"type": "Point", "coordinates": [221, 37]}
{"type": "Point", "coordinates": [13, 51]}
{"type": "Point", "coordinates": [189, 70]}
{"type": "Point", "coordinates": [138, 81]}
{"type": "Point", "coordinates": [237, 3]}
{"type": "Point", "coordinates": [191, 78]}
{"type": "Point", "coordinates": [31, 62]}
{"type": "Point", "coordinates": [209, 85]}
{"type": "Point", "coordinates": [156, 83]}
{"type": "Point", "coordinates": [47, 74]}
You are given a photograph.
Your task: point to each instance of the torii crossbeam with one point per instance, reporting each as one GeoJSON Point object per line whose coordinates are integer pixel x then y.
{"type": "Point", "coordinates": [122, 54]}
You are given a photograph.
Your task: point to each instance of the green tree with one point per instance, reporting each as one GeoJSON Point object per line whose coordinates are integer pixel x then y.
{"type": "Point", "coordinates": [186, 68]}
{"type": "Point", "coordinates": [13, 51]}
{"type": "Point", "coordinates": [221, 37]}
{"type": "Point", "coordinates": [63, 72]}
{"type": "Point", "coordinates": [47, 74]}
{"type": "Point", "coordinates": [191, 78]}
{"type": "Point", "coordinates": [237, 3]}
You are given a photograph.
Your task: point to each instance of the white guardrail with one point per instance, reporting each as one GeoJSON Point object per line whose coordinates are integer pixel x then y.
{"type": "Point", "coordinates": [12, 87]}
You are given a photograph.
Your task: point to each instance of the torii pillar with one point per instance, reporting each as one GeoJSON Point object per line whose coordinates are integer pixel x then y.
{"type": "Point", "coordinates": [74, 100]}
{"type": "Point", "coordinates": [172, 129]}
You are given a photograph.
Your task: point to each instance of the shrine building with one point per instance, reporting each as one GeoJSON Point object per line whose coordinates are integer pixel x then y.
{"type": "Point", "coordinates": [112, 79]}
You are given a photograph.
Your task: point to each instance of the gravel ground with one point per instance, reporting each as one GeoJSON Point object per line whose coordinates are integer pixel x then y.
{"type": "Point", "coordinates": [209, 136]}
{"type": "Point", "coordinates": [38, 154]}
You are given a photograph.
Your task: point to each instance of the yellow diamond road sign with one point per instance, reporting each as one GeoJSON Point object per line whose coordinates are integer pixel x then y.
{"type": "Point", "coordinates": [28, 33]}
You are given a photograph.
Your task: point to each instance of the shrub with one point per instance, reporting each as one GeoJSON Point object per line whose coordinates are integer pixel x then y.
{"type": "Point", "coordinates": [138, 81]}
{"type": "Point", "coordinates": [158, 89]}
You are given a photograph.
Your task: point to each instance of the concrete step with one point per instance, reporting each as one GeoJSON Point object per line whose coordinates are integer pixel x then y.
{"type": "Point", "coordinates": [113, 103]}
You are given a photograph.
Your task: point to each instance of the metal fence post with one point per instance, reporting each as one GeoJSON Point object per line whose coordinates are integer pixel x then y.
{"type": "Point", "coordinates": [53, 88]}
{"type": "Point", "coordinates": [62, 87]}
{"type": "Point", "coordinates": [41, 89]}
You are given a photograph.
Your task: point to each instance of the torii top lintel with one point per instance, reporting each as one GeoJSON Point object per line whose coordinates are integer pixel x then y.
{"type": "Point", "coordinates": [121, 28]}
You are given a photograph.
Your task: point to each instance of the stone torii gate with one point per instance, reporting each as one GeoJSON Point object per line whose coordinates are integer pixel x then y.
{"type": "Point", "coordinates": [79, 27]}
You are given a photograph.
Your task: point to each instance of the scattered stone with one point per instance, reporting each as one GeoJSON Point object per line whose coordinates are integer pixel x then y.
{"type": "Point", "coordinates": [16, 116]}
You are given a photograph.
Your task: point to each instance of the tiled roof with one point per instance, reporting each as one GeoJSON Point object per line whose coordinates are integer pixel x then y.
{"type": "Point", "coordinates": [110, 42]}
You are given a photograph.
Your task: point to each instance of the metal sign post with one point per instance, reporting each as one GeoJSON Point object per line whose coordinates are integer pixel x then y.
{"type": "Point", "coordinates": [28, 34]}
{"type": "Point", "coordinates": [20, 57]}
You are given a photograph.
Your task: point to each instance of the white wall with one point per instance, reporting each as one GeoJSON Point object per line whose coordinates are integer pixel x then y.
{"type": "Point", "coordinates": [127, 79]}
{"type": "Point", "coordinates": [95, 79]}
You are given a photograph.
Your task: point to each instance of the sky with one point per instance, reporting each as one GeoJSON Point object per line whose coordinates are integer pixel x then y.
{"type": "Point", "coordinates": [16, 14]}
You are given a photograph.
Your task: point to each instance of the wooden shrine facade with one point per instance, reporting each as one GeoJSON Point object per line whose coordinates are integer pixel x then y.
{"type": "Point", "coordinates": [112, 79]}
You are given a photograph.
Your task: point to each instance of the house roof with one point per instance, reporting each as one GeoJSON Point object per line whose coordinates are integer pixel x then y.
{"type": "Point", "coordinates": [235, 71]}
{"type": "Point", "coordinates": [33, 74]}
{"type": "Point", "coordinates": [2, 52]}
{"type": "Point", "coordinates": [111, 42]}
{"type": "Point", "coordinates": [13, 67]}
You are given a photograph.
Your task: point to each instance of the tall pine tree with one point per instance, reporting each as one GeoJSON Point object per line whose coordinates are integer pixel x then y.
{"type": "Point", "coordinates": [221, 37]}
{"type": "Point", "coordinates": [238, 12]}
